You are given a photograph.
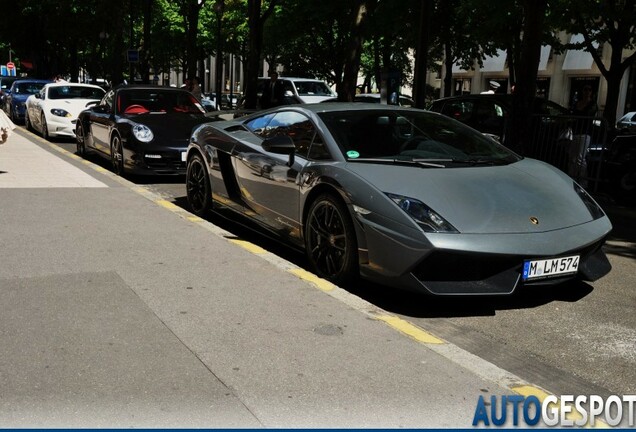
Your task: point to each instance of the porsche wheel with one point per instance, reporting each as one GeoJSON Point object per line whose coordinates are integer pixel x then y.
{"type": "Point", "coordinates": [198, 187]}
{"type": "Point", "coordinates": [330, 240]}
{"type": "Point", "coordinates": [80, 140]}
{"type": "Point", "coordinates": [117, 155]}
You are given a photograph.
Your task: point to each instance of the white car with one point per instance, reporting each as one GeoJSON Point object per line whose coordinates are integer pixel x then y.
{"type": "Point", "coordinates": [53, 111]}
{"type": "Point", "coordinates": [301, 90]}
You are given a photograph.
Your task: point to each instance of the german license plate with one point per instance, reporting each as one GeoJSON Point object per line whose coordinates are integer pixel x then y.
{"type": "Point", "coordinates": [183, 156]}
{"type": "Point", "coordinates": [541, 269]}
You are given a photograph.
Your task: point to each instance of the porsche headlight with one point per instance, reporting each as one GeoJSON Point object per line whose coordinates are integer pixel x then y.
{"type": "Point", "coordinates": [143, 133]}
{"type": "Point", "coordinates": [425, 217]}
{"type": "Point", "coordinates": [595, 211]}
{"type": "Point", "coordinates": [60, 112]}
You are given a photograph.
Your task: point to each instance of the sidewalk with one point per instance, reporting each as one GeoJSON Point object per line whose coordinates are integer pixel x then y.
{"type": "Point", "coordinates": [119, 310]}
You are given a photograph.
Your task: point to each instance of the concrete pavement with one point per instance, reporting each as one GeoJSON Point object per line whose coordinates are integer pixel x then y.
{"type": "Point", "coordinates": [118, 309]}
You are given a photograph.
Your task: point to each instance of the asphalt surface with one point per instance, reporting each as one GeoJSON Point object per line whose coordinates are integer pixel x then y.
{"type": "Point", "coordinates": [120, 309]}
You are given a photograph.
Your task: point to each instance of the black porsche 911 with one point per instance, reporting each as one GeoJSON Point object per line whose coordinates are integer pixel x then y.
{"type": "Point", "coordinates": [141, 129]}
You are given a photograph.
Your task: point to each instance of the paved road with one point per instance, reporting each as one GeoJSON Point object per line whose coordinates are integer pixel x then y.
{"type": "Point", "coordinates": [578, 338]}
{"type": "Point", "coordinates": [574, 339]}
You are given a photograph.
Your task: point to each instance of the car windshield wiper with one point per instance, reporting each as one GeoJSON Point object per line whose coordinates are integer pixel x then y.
{"type": "Point", "coordinates": [432, 163]}
{"type": "Point", "coordinates": [474, 162]}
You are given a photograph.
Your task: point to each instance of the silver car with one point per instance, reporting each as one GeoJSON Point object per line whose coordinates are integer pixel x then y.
{"type": "Point", "coordinates": [627, 123]}
{"type": "Point", "coordinates": [404, 197]}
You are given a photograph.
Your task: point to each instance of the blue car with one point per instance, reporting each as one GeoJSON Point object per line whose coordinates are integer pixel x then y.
{"type": "Point", "coordinates": [16, 96]}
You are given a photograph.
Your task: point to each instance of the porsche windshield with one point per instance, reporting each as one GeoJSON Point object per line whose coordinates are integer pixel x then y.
{"type": "Point", "coordinates": [399, 135]}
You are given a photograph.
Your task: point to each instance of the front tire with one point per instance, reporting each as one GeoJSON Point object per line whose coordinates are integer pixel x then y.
{"type": "Point", "coordinates": [117, 155]}
{"type": "Point", "coordinates": [45, 128]}
{"type": "Point", "coordinates": [198, 188]}
{"type": "Point", "coordinates": [330, 240]}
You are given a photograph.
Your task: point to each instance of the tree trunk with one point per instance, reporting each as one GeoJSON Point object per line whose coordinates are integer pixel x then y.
{"type": "Point", "coordinates": [146, 51]}
{"type": "Point", "coordinates": [448, 74]}
{"type": "Point", "coordinates": [192, 27]}
{"type": "Point", "coordinates": [254, 49]}
{"type": "Point", "coordinates": [421, 55]}
{"type": "Point", "coordinates": [526, 86]}
{"type": "Point", "coordinates": [361, 12]}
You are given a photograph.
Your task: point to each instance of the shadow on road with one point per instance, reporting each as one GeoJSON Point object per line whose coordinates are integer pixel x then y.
{"type": "Point", "coordinates": [427, 306]}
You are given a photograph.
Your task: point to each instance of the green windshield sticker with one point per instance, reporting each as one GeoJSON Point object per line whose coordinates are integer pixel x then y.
{"type": "Point", "coordinates": [353, 154]}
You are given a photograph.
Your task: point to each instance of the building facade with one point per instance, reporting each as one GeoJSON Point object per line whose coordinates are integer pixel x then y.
{"type": "Point", "coordinates": [561, 76]}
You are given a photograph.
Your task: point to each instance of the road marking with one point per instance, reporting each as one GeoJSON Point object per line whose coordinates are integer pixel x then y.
{"type": "Point", "coordinates": [257, 250]}
{"type": "Point", "coordinates": [411, 330]}
{"type": "Point", "coordinates": [320, 283]}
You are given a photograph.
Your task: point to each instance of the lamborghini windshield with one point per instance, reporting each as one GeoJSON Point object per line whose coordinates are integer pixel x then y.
{"type": "Point", "coordinates": [411, 135]}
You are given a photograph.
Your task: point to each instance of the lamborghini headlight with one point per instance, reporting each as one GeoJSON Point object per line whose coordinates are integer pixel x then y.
{"type": "Point", "coordinates": [595, 211]}
{"type": "Point", "coordinates": [425, 217]}
{"type": "Point", "coordinates": [142, 133]}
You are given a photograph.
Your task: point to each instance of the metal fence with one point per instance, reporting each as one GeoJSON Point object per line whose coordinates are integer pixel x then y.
{"type": "Point", "coordinates": [574, 144]}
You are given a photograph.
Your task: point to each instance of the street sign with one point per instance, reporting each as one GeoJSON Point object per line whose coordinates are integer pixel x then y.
{"type": "Point", "coordinates": [133, 56]}
{"type": "Point", "coordinates": [10, 65]}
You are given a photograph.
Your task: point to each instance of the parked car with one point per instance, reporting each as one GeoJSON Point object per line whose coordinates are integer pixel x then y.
{"type": "Point", "coordinates": [53, 111]}
{"type": "Point", "coordinates": [300, 90]}
{"type": "Point", "coordinates": [208, 101]}
{"type": "Point", "coordinates": [229, 101]}
{"type": "Point", "coordinates": [490, 113]}
{"type": "Point", "coordinates": [401, 196]}
{"type": "Point", "coordinates": [5, 85]}
{"type": "Point", "coordinates": [404, 101]}
{"type": "Point", "coordinates": [552, 133]}
{"type": "Point", "coordinates": [619, 168]}
{"type": "Point", "coordinates": [627, 123]}
{"type": "Point", "coordinates": [16, 96]}
{"type": "Point", "coordinates": [141, 129]}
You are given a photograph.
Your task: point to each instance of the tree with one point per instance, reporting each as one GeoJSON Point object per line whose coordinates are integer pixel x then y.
{"type": "Point", "coordinates": [421, 53]}
{"type": "Point", "coordinates": [610, 22]}
{"type": "Point", "coordinates": [256, 19]}
{"type": "Point", "coordinates": [534, 12]}
{"type": "Point", "coordinates": [358, 21]}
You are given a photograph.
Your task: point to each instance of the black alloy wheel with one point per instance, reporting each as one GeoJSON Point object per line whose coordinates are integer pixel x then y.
{"type": "Point", "coordinates": [80, 140]}
{"type": "Point", "coordinates": [117, 155]}
{"type": "Point", "coordinates": [330, 240]}
{"type": "Point", "coordinates": [198, 188]}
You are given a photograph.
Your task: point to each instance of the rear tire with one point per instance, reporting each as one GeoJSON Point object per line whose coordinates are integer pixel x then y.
{"type": "Point", "coordinates": [330, 240]}
{"type": "Point", "coordinates": [27, 122]}
{"type": "Point", "coordinates": [198, 188]}
{"type": "Point", "coordinates": [80, 140]}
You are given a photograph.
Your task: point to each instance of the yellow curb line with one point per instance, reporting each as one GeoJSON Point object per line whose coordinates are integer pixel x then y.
{"type": "Point", "coordinates": [410, 330]}
{"type": "Point", "coordinates": [249, 246]}
{"type": "Point", "coordinates": [318, 282]}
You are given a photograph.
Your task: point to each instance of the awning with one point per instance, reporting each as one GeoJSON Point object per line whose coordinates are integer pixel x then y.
{"type": "Point", "coordinates": [578, 59]}
{"type": "Point", "coordinates": [545, 55]}
{"type": "Point", "coordinates": [495, 63]}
